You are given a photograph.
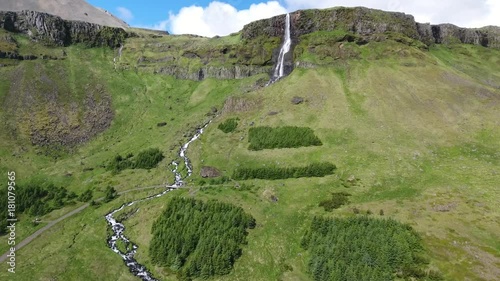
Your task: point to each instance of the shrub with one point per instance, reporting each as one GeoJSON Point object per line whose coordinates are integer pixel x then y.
{"type": "Point", "coordinates": [110, 194]}
{"type": "Point", "coordinates": [86, 196]}
{"type": "Point", "coordinates": [229, 125]}
{"type": "Point", "coordinates": [219, 180]}
{"type": "Point", "coordinates": [146, 159]}
{"type": "Point", "coordinates": [281, 137]}
{"type": "Point", "coordinates": [338, 199]}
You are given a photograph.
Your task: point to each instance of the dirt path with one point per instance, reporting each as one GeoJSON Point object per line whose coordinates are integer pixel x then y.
{"type": "Point", "coordinates": [30, 238]}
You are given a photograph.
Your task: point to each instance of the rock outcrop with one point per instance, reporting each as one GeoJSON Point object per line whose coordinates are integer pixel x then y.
{"type": "Point", "coordinates": [218, 72]}
{"type": "Point", "coordinates": [74, 10]}
{"type": "Point", "coordinates": [52, 30]}
{"type": "Point", "coordinates": [369, 22]}
{"type": "Point", "coordinates": [209, 172]}
{"type": "Point", "coordinates": [16, 56]}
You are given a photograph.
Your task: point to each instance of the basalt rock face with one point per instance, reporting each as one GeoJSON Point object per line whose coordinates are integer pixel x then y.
{"type": "Point", "coordinates": [448, 33]}
{"type": "Point", "coordinates": [221, 72]}
{"type": "Point", "coordinates": [73, 10]}
{"type": "Point", "coordinates": [52, 30]}
{"type": "Point", "coordinates": [369, 22]}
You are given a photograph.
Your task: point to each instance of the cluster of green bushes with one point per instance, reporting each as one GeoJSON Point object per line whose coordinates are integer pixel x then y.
{"type": "Point", "coordinates": [214, 181]}
{"type": "Point", "coordinates": [276, 173]}
{"type": "Point", "coordinates": [281, 137]}
{"type": "Point", "coordinates": [146, 159]}
{"type": "Point", "coordinates": [110, 194]}
{"type": "Point", "coordinates": [199, 239]}
{"type": "Point", "coordinates": [35, 199]}
{"type": "Point", "coordinates": [336, 201]}
{"type": "Point", "coordinates": [229, 125]}
{"type": "Point", "coordinates": [363, 248]}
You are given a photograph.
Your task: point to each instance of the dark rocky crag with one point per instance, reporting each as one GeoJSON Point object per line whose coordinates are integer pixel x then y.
{"type": "Point", "coordinates": [368, 23]}
{"type": "Point", "coordinates": [53, 30]}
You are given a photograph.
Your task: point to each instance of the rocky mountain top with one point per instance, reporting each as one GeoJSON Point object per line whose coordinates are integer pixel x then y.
{"type": "Point", "coordinates": [53, 30]}
{"type": "Point", "coordinates": [75, 10]}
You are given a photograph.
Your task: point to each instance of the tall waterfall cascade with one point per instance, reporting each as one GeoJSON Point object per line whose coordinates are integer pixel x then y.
{"type": "Point", "coordinates": [279, 70]}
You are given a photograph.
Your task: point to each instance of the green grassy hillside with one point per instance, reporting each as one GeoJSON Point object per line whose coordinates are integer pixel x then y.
{"type": "Point", "coordinates": [413, 134]}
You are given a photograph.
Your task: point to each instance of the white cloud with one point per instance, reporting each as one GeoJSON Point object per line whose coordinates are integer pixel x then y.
{"type": "Point", "coordinates": [162, 25]}
{"type": "Point", "coordinates": [124, 14]}
{"type": "Point", "coordinates": [220, 18]}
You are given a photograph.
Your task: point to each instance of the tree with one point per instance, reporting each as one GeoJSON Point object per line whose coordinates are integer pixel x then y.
{"type": "Point", "coordinates": [86, 196]}
{"type": "Point", "coordinates": [110, 194]}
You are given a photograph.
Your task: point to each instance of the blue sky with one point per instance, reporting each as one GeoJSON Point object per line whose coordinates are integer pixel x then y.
{"type": "Point", "coordinates": [221, 17]}
{"type": "Point", "coordinates": [151, 12]}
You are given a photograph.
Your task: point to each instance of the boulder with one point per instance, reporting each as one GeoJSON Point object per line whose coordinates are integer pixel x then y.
{"type": "Point", "coordinates": [297, 100]}
{"type": "Point", "coordinates": [209, 172]}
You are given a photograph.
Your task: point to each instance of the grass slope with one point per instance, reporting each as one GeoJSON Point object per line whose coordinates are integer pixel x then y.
{"type": "Point", "coordinates": [417, 129]}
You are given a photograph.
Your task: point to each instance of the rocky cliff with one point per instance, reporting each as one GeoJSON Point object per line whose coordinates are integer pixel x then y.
{"type": "Point", "coordinates": [369, 23]}
{"type": "Point", "coordinates": [53, 30]}
{"type": "Point", "coordinates": [74, 10]}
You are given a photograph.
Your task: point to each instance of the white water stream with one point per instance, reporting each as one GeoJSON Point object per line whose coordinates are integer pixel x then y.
{"type": "Point", "coordinates": [279, 70]}
{"type": "Point", "coordinates": [118, 228]}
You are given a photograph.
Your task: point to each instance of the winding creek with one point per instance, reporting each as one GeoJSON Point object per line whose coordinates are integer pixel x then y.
{"type": "Point", "coordinates": [118, 228]}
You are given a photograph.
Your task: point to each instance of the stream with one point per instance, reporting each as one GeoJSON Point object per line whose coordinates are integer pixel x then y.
{"type": "Point", "coordinates": [118, 228]}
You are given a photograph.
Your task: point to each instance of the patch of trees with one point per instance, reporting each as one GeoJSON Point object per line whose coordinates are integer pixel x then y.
{"type": "Point", "coordinates": [363, 248]}
{"type": "Point", "coordinates": [110, 194]}
{"type": "Point", "coordinates": [281, 137]}
{"type": "Point", "coordinates": [146, 159]}
{"type": "Point", "coordinates": [274, 173]}
{"type": "Point", "coordinates": [86, 196]}
{"type": "Point", "coordinates": [199, 239]}
{"type": "Point", "coordinates": [34, 199]}
{"type": "Point", "coordinates": [214, 181]}
{"type": "Point", "coordinates": [229, 125]}
{"type": "Point", "coordinates": [336, 201]}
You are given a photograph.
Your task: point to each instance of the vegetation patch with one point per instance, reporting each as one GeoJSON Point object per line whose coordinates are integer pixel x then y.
{"type": "Point", "coordinates": [229, 125]}
{"type": "Point", "coordinates": [35, 199]}
{"type": "Point", "coordinates": [146, 159]}
{"type": "Point", "coordinates": [199, 239]}
{"type": "Point", "coordinates": [276, 173]}
{"type": "Point", "coordinates": [338, 199]}
{"type": "Point", "coordinates": [281, 137]}
{"type": "Point", "coordinates": [363, 248]}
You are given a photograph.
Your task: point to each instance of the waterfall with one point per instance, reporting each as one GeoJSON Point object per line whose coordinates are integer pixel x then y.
{"type": "Point", "coordinates": [279, 71]}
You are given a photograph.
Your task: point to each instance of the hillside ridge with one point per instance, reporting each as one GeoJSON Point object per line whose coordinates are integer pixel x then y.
{"type": "Point", "coordinates": [53, 30]}
{"type": "Point", "coordinates": [75, 10]}
{"type": "Point", "coordinates": [369, 23]}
